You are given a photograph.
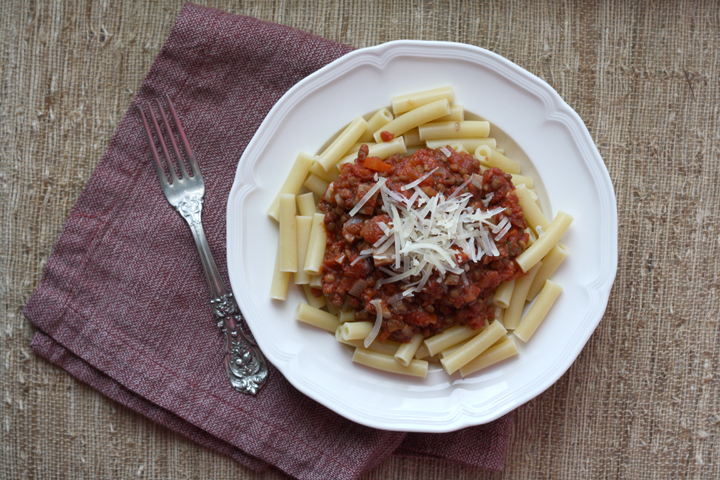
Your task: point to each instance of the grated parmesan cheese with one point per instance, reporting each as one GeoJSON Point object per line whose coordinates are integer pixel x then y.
{"type": "Point", "coordinates": [427, 235]}
{"type": "Point", "coordinates": [488, 198]}
{"type": "Point", "coordinates": [504, 229]}
{"type": "Point", "coordinates": [360, 257]}
{"type": "Point", "coordinates": [395, 298]}
{"type": "Point", "coordinates": [377, 303]}
{"type": "Point", "coordinates": [418, 181]}
{"type": "Point", "coordinates": [367, 196]}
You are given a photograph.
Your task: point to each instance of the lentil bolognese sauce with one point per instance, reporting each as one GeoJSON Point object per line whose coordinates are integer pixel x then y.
{"type": "Point", "coordinates": [430, 236]}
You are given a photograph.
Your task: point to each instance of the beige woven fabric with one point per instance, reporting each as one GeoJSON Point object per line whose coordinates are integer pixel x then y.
{"type": "Point", "coordinates": [641, 401]}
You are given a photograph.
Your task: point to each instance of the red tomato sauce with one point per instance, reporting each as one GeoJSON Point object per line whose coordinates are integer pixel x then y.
{"type": "Point", "coordinates": [439, 305]}
{"type": "Point", "coordinates": [386, 136]}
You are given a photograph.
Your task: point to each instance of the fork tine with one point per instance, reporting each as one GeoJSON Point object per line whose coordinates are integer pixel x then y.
{"type": "Point", "coordinates": [181, 164]}
{"type": "Point", "coordinates": [188, 150]}
{"type": "Point", "coordinates": [168, 159]}
{"type": "Point", "coordinates": [156, 158]}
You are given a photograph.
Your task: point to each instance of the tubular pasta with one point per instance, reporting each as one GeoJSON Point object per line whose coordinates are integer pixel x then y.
{"type": "Point", "coordinates": [340, 145]}
{"type": "Point", "coordinates": [316, 246]}
{"type": "Point", "coordinates": [522, 180]}
{"type": "Point", "coordinates": [550, 263]}
{"type": "Point", "coordinates": [448, 338]}
{"type": "Point", "coordinates": [406, 351]}
{"type": "Point", "coordinates": [456, 129]}
{"type": "Point", "coordinates": [493, 158]}
{"type": "Point", "coordinates": [503, 294]}
{"type": "Point", "coordinates": [388, 347]}
{"type": "Point", "coordinates": [458, 147]}
{"type": "Point", "coordinates": [329, 176]}
{"type": "Point", "coordinates": [450, 350]}
{"type": "Point", "coordinates": [502, 350]}
{"type": "Point", "coordinates": [288, 234]}
{"type": "Point", "coordinates": [304, 224]}
{"type": "Point", "coordinates": [316, 185]}
{"type": "Point", "coordinates": [380, 150]}
{"type": "Point", "coordinates": [511, 316]}
{"type": "Point", "coordinates": [312, 300]}
{"type": "Point", "coordinates": [293, 182]}
{"type": "Point", "coordinates": [414, 118]}
{"type": "Point", "coordinates": [355, 330]}
{"type": "Point", "coordinates": [417, 368]}
{"type": "Point", "coordinates": [422, 352]}
{"type": "Point", "coordinates": [378, 120]}
{"type": "Point", "coordinates": [412, 138]}
{"type": "Point", "coordinates": [538, 311]}
{"type": "Point", "coordinates": [316, 317]}
{"type": "Point", "coordinates": [347, 316]}
{"type": "Point", "coordinates": [533, 215]}
{"type": "Point", "coordinates": [306, 204]}
{"type": "Point", "coordinates": [457, 113]}
{"type": "Point", "coordinates": [410, 101]}
{"type": "Point", "coordinates": [500, 315]}
{"type": "Point", "coordinates": [280, 280]}
{"type": "Point", "coordinates": [473, 348]}
{"type": "Point", "coordinates": [470, 144]}
{"type": "Point", "coordinates": [544, 244]}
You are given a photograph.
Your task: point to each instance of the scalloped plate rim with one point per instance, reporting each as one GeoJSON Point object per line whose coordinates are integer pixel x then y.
{"type": "Point", "coordinates": [463, 414]}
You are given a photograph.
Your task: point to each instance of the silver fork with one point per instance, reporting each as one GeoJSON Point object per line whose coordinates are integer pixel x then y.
{"type": "Point", "coordinates": [244, 363]}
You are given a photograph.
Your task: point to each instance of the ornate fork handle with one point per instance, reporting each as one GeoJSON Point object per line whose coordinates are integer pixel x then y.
{"type": "Point", "coordinates": [244, 364]}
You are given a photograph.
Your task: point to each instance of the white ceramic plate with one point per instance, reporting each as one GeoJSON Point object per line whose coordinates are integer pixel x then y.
{"type": "Point", "coordinates": [555, 148]}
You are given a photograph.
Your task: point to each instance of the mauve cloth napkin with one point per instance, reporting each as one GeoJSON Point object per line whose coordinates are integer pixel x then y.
{"type": "Point", "coordinates": [123, 304]}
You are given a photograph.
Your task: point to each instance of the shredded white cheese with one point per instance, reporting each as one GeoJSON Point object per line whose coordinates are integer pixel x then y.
{"type": "Point", "coordinates": [358, 259]}
{"type": "Point", "coordinates": [367, 196]}
{"type": "Point", "coordinates": [499, 226]}
{"type": "Point", "coordinates": [504, 230]}
{"type": "Point", "coordinates": [434, 235]}
{"type": "Point", "coordinates": [488, 198]}
{"type": "Point", "coordinates": [395, 298]}
{"type": "Point", "coordinates": [418, 181]}
{"type": "Point", "coordinates": [377, 303]}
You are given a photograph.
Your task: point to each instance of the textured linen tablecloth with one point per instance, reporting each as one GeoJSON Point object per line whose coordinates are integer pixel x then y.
{"type": "Point", "coordinates": [642, 401]}
{"type": "Point", "coordinates": [124, 306]}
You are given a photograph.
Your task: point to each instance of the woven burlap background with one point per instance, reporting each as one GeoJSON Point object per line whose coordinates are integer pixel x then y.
{"type": "Point", "coordinates": [641, 401]}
